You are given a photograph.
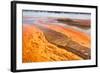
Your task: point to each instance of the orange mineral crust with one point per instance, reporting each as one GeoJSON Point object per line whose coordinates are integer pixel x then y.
{"type": "Point", "coordinates": [36, 48]}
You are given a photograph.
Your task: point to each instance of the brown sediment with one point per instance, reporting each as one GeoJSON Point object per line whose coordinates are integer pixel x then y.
{"type": "Point", "coordinates": [76, 22]}
{"type": "Point", "coordinates": [77, 36]}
